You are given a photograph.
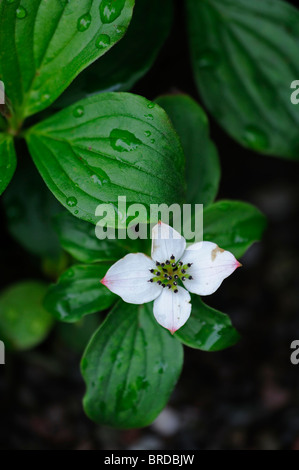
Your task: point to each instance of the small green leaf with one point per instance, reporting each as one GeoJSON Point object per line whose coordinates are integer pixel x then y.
{"type": "Point", "coordinates": [131, 58]}
{"type": "Point", "coordinates": [130, 367]}
{"type": "Point", "coordinates": [45, 44]}
{"type": "Point", "coordinates": [79, 292]}
{"type": "Point", "coordinates": [79, 239]}
{"type": "Point", "coordinates": [30, 208]}
{"type": "Point", "coordinates": [202, 161]}
{"type": "Point", "coordinates": [207, 328]}
{"type": "Point", "coordinates": [8, 161]}
{"type": "Point", "coordinates": [24, 323]}
{"type": "Point", "coordinates": [110, 145]}
{"type": "Point", "coordinates": [233, 225]}
{"type": "Point", "coordinates": [245, 57]}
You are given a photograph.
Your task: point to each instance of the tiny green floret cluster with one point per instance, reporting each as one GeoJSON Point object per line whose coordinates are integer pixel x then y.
{"type": "Point", "coordinates": [169, 273]}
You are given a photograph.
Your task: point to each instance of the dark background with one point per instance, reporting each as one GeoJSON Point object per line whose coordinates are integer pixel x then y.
{"type": "Point", "coordinates": [246, 397]}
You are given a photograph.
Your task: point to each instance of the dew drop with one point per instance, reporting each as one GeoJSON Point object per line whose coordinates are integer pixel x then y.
{"type": "Point", "coordinates": [96, 180]}
{"type": "Point", "coordinates": [111, 9]}
{"type": "Point", "coordinates": [71, 201]}
{"type": "Point", "coordinates": [84, 22]}
{"type": "Point", "coordinates": [78, 111]}
{"type": "Point", "coordinates": [255, 138]}
{"type": "Point", "coordinates": [153, 141]}
{"type": "Point", "coordinates": [21, 12]}
{"type": "Point", "coordinates": [149, 116]}
{"type": "Point", "coordinates": [76, 212]}
{"type": "Point", "coordinates": [151, 105]}
{"type": "Point", "coordinates": [208, 59]}
{"type": "Point", "coordinates": [120, 30]}
{"type": "Point", "coordinates": [103, 41]}
{"type": "Point", "coordinates": [64, 308]}
{"type": "Point", "coordinates": [123, 141]}
{"type": "Point", "coordinates": [148, 133]}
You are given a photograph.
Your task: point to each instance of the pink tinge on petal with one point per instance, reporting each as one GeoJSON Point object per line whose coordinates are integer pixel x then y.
{"type": "Point", "coordinates": [104, 281]}
{"type": "Point", "coordinates": [130, 279]}
{"type": "Point", "coordinates": [172, 310]}
{"type": "Point", "coordinates": [210, 265]}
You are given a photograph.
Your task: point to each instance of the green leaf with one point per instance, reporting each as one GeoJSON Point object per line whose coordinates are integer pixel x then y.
{"type": "Point", "coordinates": [24, 323]}
{"type": "Point", "coordinates": [110, 145]}
{"type": "Point", "coordinates": [79, 239]}
{"type": "Point", "coordinates": [233, 225]}
{"type": "Point", "coordinates": [30, 208]}
{"type": "Point", "coordinates": [202, 161]}
{"type": "Point", "coordinates": [207, 328]}
{"type": "Point", "coordinates": [8, 161]}
{"type": "Point", "coordinates": [130, 368]}
{"type": "Point", "coordinates": [79, 292]}
{"type": "Point", "coordinates": [245, 57]}
{"type": "Point", "coordinates": [131, 58]}
{"type": "Point", "coordinates": [2, 122]}
{"type": "Point", "coordinates": [45, 45]}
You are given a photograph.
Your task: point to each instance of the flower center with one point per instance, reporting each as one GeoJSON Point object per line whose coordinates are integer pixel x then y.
{"type": "Point", "coordinates": [169, 273]}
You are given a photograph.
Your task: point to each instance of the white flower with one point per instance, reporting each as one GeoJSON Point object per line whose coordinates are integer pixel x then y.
{"type": "Point", "coordinates": [139, 279]}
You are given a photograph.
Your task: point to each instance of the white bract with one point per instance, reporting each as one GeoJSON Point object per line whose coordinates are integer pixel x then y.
{"type": "Point", "coordinates": [200, 268]}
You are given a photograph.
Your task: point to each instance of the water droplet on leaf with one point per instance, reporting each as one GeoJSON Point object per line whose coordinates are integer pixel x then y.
{"type": "Point", "coordinates": [96, 180]}
{"type": "Point", "coordinates": [111, 9]}
{"type": "Point", "coordinates": [103, 41]}
{"type": "Point", "coordinates": [84, 22]}
{"type": "Point", "coordinates": [21, 12]}
{"type": "Point", "coordinates": [79, 111]}
{"type": "Point", "coordinates": [149, 116]}
{"type": "Point", "coordinates": [208, 59]}
{"type": "Point", "coordinates": [148, 133]}
{"type": "Point", "coordinates": [120, 30]}
{"type": "Point", "coordinates": [255, 138]}
{"type": "Point", "coordinates": [151, 105]}
{"type": "Point", "coordinates": [124, 141]}
{"type": "Point", "coordinates": [64, 308]}
{"type": "Point", "coordinates": [71, 201]}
